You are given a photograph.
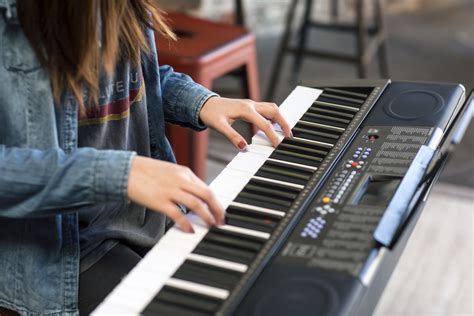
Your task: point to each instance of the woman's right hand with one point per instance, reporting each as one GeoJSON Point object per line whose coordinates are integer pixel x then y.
{"type": "Point", "coordinates": [160, 185]}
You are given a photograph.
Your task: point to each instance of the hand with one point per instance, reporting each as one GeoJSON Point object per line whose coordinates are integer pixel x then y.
{"type": "Point", "coordinates": [219, 113]}
{"type": "Point", "coordinates": [160, 185]}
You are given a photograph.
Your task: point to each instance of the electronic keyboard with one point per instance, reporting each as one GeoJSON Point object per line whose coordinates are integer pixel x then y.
{"type": "Point", "coordinates": [316, 225]}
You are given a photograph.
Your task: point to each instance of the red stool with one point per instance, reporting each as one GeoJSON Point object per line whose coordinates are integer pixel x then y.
{"type": "Point", "coordinates": [206, 50]}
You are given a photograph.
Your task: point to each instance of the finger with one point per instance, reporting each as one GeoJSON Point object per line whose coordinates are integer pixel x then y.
{"type": "Point", "coordinates": [196, 205]}
{"type": "Point", "coordinates": [198, 188]}
{"type": "Point", "coordinates": [232, 135]}
{"type": "Point", "coordinates": [173, 212]}
{"type": "Point", "coordinates": [263, 124]}
{"type": "Point", "coordinates": [272, 112]}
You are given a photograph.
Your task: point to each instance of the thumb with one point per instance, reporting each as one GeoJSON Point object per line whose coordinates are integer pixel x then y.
{"type": "Point", "coordinates": [235, 138]}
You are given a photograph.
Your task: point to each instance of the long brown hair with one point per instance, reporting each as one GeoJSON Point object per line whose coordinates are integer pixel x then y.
{"type": "Point", "coordinates": [73, 38]}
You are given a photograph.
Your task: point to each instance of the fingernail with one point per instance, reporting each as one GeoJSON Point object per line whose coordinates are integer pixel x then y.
{"type": "Point", "coordinates": [242, 145]}
{"type": "Point", "coordinates": [291, 134]}
{"type": "Point", "coordinates": [222, 221]}
{"type": "Point", "coordinates": [191, 230]}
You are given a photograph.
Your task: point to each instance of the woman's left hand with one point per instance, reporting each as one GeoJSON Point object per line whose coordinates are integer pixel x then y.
{"type": "Point", "coordinates": [219, 113]}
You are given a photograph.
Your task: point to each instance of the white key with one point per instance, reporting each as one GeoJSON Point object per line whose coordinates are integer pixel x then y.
{"type": "Point", "coordinates": [261, 139]}
{"type": "Point", "coordinates": [258, 209]}
{"type": "Point", "coordinates": [292, 109]}
{"type": "Point", "coordinates": [230, 182]}
{"type": "Point", "coordinates": [261, 150]}
{"type": "Point", "coordinates": [245, 231]}
{"type": "Point", "coordinates": [287, 184]}
{"type": "Point", "coordinates": [289, 163]}
{"type": "Point", "coordinates": [315, 142]}
{"type": "Point", "coordinates": [247, 161]}
{"type": "Point", "coordinates": [198, 288]}
{"type": "Point", "coordinates": [328, 127]}
{"type": "Point", "coordinates": [234, 266]}
{"type": "Point", "coordinates": [297, 103]}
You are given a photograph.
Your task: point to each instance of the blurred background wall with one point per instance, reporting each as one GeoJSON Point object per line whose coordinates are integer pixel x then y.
{"type": "Point", "coordinates": [267, 16]}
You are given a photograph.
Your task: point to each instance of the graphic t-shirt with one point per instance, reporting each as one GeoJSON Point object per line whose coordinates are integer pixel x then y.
{"type": "Point", "coordinates": [120, 122]}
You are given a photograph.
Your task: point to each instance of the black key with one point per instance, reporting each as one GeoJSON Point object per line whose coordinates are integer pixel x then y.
{"type": "Point", "coordinates": [234, 240]}
{"type": "Point", "coordinates": [277, 186]}
{"type": "Point", "coordinates": [160, 308]}
{"type": "Point", "coordinates": [339, 106]}
{"type": "Point", "coordinates": [188, 299]}
{"type": "Point", "coordinates": [233, 209]}
{"type": "Point", "coordinates": [350, 100]}
{"type": "Point", "coordinates": [240, 219]}
{"type": "Point", "coordinates": [290, 158]}
{"type": "Point", "coordinates": [269, 191]}
{"type": "Point", "coordinates": [257, 199]}
{"type": "Point", "coordinates": [289, 173]}
{"type": "Point", "coordinates": [272, 195]}
{"type": "Point", "coordinates": [332, 113]}
{"type": "Point", "coordinates": [295, 154]}
{"type": "Point", "coordinates": [217, 250]}
{"type": "Point", "coordinates": [329, 130]}
{"type": "Point", "coordinates": [324, 147]}
{"type": "Point", "coordinates": [346, 92]}
{"type": "Point", "coordinates": [280, 174]}
{"type": "Point", "coordinates": [202, 273]}
{"type": "Point", "coordinates": [314, 134]}
{"type": "Point", "coordinates": [325, 119]}
{"type": "Point", "coordinates": [339, 102]}
{"type": "Point", "coordinates": [303, 148]}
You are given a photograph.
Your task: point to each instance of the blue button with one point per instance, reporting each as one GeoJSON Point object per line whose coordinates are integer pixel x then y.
{"type": "Point", "coordinates": [364, 157]}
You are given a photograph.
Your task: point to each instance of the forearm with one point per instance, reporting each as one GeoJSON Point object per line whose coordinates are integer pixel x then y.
{"type": "Point", "coordinates": [40, 183]}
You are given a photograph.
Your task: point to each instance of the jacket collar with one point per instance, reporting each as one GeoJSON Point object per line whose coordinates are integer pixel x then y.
{"type": "Point", "coordinates": [9, 8]}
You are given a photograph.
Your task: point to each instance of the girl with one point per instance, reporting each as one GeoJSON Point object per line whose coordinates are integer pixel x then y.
{"type": "Point", "coordinates": [86, 173]}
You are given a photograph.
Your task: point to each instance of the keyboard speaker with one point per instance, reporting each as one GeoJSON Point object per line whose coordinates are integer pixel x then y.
{"type": "Point", "coordinates": [298, 297]}
{"type": "Point", "coordinates": [412, 105]}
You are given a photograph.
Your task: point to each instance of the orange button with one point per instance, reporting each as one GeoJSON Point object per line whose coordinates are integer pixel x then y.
{"type": "Point", "coordinates": [326, 199]}
{"type": "Point", "coordinates": [354, 164]}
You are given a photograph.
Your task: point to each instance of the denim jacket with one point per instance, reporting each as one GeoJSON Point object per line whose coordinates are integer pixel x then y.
{"type": "Point", "coordinates": [45, 180]}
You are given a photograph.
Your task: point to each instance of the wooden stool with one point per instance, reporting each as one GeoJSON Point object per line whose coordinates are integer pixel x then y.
{"type": "Point", "coordinates": [371, 40]}
{"type": "Point", "coordinates": [206, 50]}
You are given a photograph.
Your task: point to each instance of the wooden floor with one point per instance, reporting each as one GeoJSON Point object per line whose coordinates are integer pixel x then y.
{"type": "Point", "coordinates": [435, 273]}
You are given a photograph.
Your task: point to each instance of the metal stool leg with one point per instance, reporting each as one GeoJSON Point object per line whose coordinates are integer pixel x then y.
{"type": "Point", "coordinates": [239, 13]}
{"type": "Point", "coordinates": [382, 51]}
{"type": "Point", "coordinates": [305, 26]}
{"type": "Point", "coordinates": [284, 44]}
{"type": "Point", "coordinates": [334, 9]}
{"type": "Point", "coordinates": [362, 39]}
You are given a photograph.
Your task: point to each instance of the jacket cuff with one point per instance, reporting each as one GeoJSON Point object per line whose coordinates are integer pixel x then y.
{"type": "Point", "coordinates": [111, 172]}
{"type": "Point", "coordinates": [194, 95]}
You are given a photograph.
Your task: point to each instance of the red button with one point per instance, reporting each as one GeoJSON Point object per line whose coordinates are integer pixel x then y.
{"type": "Point", "coordinates": [354, 164]}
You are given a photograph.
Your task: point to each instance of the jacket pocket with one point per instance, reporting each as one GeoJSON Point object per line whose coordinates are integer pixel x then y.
{"type": "Point", "coordinates": [18, 56]}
